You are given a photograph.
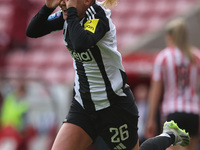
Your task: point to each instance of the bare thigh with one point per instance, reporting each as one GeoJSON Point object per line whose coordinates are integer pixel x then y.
{"type": "Point", "coordinates": [71, 137]}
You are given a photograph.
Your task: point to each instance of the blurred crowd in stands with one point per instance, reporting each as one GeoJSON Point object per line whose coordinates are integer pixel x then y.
{"type": "Point", "coordinates": [14, 35]}
{"type": "Point", "coordinates": [30, 113]}
{"type": "Point", "coordinates": [23, 125]}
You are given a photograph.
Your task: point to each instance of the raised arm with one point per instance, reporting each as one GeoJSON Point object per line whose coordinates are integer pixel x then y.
{"type": "Point", "coordinates": [41, 24]}
{"type": "Point", "coordinates": [83, 38]}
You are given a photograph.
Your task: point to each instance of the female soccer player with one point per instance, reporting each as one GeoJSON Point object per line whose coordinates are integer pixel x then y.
{"type": "Point", "coordinates": [103, 104]}
{"type": "Point", "coordinates": [177, 69]}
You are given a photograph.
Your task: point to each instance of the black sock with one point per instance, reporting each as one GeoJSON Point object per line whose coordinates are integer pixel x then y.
{"type": "Point", "coordinates": [172, 137]}
{"type": "Point", "coordinates": [157, 143]}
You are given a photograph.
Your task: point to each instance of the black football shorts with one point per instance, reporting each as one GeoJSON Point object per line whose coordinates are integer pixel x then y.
{"type": "Point", "coordinates": [117, 124]}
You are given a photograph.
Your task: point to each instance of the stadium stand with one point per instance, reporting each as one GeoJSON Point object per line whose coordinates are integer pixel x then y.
{"type": "Point", "coordinates": [47, 57]}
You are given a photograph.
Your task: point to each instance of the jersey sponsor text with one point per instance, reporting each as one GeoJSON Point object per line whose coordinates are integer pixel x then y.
{"type": "Point", "coordinates": [81, 57]}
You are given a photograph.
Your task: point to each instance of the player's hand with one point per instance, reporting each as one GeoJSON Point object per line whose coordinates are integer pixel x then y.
{"type": "Point", "coordinates": [151, 129]}
{"type": "Point", "coordinates": [71, 3]}
{"type": "Point", "coordinates": [52, 3]}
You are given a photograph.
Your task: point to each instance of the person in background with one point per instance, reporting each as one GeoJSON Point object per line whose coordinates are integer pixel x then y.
{"type": "Point", "coordinates": [1, 103]}
{"type": "Point", "coordinates": [13, 115]}
{"type": "Point", "coordinates": [103, 104]}
{"type": "Point", "coordinates": [14, 109]}
{"type": "Point", "coordinates": [176, 74]}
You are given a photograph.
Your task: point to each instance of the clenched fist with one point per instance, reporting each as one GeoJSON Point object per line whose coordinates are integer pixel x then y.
{"type": "Point", "coordinates": [52, 3]}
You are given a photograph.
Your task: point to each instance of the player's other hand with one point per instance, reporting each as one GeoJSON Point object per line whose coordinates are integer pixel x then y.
{"type": "Point", "coordinates": [52, 3]}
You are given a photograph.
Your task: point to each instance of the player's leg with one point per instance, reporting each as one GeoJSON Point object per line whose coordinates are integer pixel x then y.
{"type": "Point", "coordinates": [172, 135]}
{"type": "Point", "coordinates": [71, 137]}
{"type": "Point", "coordinates": [157, 143]}
{"type": "Point", "coordinates": [77, 131]}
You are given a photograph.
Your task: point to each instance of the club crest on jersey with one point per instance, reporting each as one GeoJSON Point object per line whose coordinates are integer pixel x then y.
{"type": "Point", "coordinates": [91, 25]}
{"type": "Point", "coordinates": [81, 57]}
{"type": "Point", "coordinates": [54, 15]}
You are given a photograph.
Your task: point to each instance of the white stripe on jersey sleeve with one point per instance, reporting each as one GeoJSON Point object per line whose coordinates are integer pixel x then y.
{"type": "Point", "coordinates": [92, 9]}
{"type": "Point", "coordinates": [90, 13]}
{"type": "Point", "coordinates": [89, 17]}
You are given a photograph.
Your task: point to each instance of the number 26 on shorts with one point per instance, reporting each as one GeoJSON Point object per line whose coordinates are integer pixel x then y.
{"type": "Point", "coordinates": [120, 134]}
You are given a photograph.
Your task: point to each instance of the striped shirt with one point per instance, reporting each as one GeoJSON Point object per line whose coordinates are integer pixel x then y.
{"type": "Point", "coordinates": [99, 74]}
{"type": "Point", "coordinates": [180, 78]}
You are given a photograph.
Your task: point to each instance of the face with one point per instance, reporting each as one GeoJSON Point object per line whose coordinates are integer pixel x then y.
{"type": "Point", "coordinates": [81, 6]}
{"type": "Point", "coordinates": [64, 9]}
